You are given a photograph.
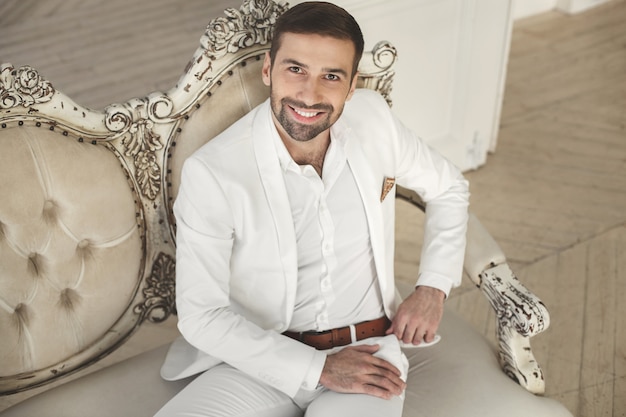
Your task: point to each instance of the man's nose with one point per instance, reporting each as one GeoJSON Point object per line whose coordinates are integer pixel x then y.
{"type": "Point", "coordinates": [310, 91]}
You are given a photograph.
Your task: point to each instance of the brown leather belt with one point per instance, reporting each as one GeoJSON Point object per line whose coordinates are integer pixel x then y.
{"type": "Point", "coordinates": [342, 335]}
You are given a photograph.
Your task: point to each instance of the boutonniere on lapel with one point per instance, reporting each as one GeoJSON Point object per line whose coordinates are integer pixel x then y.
{"type": "Point", "coordinates": [387, 186]}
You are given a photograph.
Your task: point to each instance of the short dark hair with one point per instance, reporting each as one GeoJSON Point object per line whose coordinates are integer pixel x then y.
{"type": "Point", "coordinates": [320, 18]}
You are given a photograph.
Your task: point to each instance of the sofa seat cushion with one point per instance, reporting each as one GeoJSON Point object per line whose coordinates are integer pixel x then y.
{"type": "Point", "coordinates": [460, 376]}
{"type": "Point", "coordinates": [132, 387]}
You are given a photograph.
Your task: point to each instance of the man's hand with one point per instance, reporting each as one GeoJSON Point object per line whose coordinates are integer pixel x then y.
{"type": "Point", "coordinates": [418, 316]}
{"type": "Point", "coordinates": [356, 370]}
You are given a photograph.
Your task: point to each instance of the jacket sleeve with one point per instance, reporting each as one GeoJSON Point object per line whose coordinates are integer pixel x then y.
{"type": "Point", "coordinates": [445, 191]}
{"type": "Point", "coordinates": [207, 318]}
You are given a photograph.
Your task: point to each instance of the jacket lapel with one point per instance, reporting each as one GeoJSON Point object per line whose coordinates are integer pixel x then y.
{"type": "Point", "coordinates": [369, 187]}
{"type": "Point", "coordinates": [274, 187]}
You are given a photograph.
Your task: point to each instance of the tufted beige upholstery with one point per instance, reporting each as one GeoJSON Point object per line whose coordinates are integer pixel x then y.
{"type": "Point", "coordinates": [70, 247]}
{"type": "Point", "coordinates": [87, 238]}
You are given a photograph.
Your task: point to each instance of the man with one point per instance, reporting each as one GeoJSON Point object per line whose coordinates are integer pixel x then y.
{"type": "Point", "coordinates": [285, 285]}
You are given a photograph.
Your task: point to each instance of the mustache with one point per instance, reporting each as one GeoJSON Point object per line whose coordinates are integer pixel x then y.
{"type": "Point", "coordinates": [301, 105]}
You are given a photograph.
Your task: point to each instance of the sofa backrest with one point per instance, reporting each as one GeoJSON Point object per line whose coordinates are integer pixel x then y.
{"type": "Point", "coordinates": [87, 236]}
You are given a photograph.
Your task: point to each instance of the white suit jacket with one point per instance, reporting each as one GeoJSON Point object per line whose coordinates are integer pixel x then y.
{"type": "Point", "coordinates": [236, 248]}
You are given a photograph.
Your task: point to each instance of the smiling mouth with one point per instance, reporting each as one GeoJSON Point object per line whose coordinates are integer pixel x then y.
{"type": "Point", "coordinates": [307, 114]}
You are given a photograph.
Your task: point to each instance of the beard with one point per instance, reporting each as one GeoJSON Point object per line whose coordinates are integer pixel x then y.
{"type": "Point", "coordinates": [299, 131]}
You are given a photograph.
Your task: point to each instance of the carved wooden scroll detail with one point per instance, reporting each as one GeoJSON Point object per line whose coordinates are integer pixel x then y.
{"type": "Point", "coordinates": [23, 87]}
{"type": "Point", "coordinates": [252, 24]}
{"type": "Point", "coordinates": [377, 74]}
{"type": "Point", "coordinates": [160, 291]}
{"type": "Point", "coordinates": [135, 122]}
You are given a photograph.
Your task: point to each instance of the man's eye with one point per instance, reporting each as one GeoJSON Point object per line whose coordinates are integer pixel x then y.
{"type": "Point", "coordinates": [295, 69]}
{"type": "Point", "coordinates": [332, 77]}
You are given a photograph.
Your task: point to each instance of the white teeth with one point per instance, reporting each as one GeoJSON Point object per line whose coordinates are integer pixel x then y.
{"type": "Point", "coordinates": [305, 113]}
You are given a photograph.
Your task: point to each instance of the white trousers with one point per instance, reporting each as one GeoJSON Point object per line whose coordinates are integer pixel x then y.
{"type": "Point", "coordinates": [224, 391]}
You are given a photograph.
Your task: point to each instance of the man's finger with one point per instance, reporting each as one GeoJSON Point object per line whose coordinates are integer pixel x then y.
{"type": "Point", "coordinates": [373, 360]}
{"type": "Point", "coordinates": [364, 348]}
{"type": "Point", "coordinates": [386, 378]}
{"type": "Point", "coordinates": [429, 337]}
{"type": "Point", "coordinates": [384, 365]}
{"type": "Point", "coordinates": [397, 328]}
{"type": "Point", "coordinates": [417, 338]}
{"type": "Point", "coordinates": [392, 384]}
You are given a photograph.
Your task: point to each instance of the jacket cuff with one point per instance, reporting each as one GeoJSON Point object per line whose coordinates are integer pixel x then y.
{"type": "Point", "coordinates": [437, 281]}
{"type": "Point", "coordinates": [312, 377]}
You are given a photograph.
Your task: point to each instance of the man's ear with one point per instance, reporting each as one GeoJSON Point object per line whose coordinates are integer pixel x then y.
{"type": "Point", "coordinates": [352, 86]}
{"type": "Point", "coordinates": [267, 69]}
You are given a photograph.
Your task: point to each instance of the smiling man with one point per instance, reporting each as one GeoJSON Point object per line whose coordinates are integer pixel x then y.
{"type": "Point", "coordinates": [285, 242]}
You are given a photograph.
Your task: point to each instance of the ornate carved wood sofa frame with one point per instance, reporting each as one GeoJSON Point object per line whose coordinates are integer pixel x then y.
{"type": "Point", "coordinates": [87, 235]}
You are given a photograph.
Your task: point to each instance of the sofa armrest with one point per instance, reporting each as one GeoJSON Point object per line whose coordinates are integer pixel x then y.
{"type": "Point", "coordinates": [481, 252]}
{"type": "Point", "coordinates": [520, 314]}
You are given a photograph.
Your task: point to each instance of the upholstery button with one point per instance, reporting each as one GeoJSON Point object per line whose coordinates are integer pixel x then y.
{"type": "Point", "coordinates": [49, 210]}
{"type": "Point", "coordinates": [84, 249]}
{"type": "Point", "coordinates": [21, 316]}
{"type": "Point", "coordinates": [69, 299]}
{"type": "Point", "coordinates": [34, 264]}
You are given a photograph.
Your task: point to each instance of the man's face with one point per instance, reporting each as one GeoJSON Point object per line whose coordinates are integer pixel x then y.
{"type": "Point", "coordinates": [310, 81]}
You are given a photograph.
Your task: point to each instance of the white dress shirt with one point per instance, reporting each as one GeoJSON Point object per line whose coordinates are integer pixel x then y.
{"type": "Point", "coordinates": [337, 283]}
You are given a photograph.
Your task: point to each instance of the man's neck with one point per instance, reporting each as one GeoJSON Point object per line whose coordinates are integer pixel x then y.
{"type": "Point", "coordinates": [311, 152]}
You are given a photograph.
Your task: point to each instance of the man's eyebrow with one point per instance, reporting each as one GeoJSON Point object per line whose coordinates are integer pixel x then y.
{"type": "Point", "coordinates": [290, 61]}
